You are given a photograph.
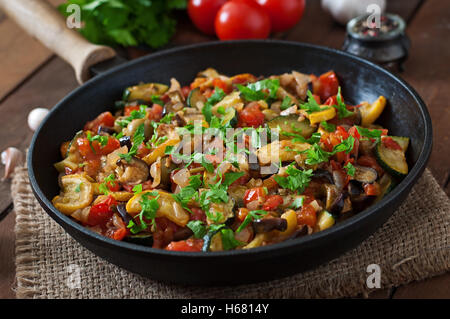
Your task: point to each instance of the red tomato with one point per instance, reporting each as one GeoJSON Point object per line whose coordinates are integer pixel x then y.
{"type": "Point", "coordinates": [128, 109]}
{"type": "Point", "coordinates": [307, 216]}
{"type": "Point", "coordinates": [203, 13]}
{"type": "Point", "coordinates": [272, 202]}
{"type": "Point", "coordinates": [254, 194]}
{"type": "Point", "coordinates": [372, 189]}
{"type": "Point", "coordinates": [353, 131]}
{"type": "Point", "coordinates": [120, 234]}
{"type": "Point", "coordinates": [251, 115]}
{"type": "Point", "coordinates": [104, 119]}
{"type": "Point", "coordinates": [284, 14]}
{"type": "Point", "coordinates": [242, 213]}
{"type": "Point", "coordinates": [390, 143]}
{"type": "Point", "coordinates": [87, 149]}
{"type": "Point", "coordinates": [221, 84]}
{"type": "Point", "coordinates": [326, 85]}
{"type": "Point", "coordinates": [242, 19]}
{"type": "Point", "coordinates": [100, 213]}
{"type": "Point", "coordinates": [156, 112]}
{"type": "Point", "coordinates": [186, 245]}
{"type": "Point", "coordinates": [197, 214]}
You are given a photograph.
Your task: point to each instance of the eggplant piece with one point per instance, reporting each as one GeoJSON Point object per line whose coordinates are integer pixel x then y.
{"type": "Point", "coordinates": [299, 233]}
{"type": "Point", "coordinates": [324, 174]}
{"type": "Point", "coordinates": [365, 174]}
{"type": "Point", "coordinates": [182, 234]}
{"type": "Point", "coordinates": [124, 214]}
{"type": "Point", "coordinates": [338, 205]}
{"type": "Point", "coordinates": [265, 225]}
{"type": "Point", "coordinates": [355, 188]}
{"type": "Point", "coordinates": [105, 129]}
{"type": "Point", "coordinates": [136, 171]}
{"type": "Point", "coordinates": [125, 141]}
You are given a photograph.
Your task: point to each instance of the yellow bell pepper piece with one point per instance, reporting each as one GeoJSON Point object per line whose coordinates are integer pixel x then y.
{"type": "Point", "coordinates": [324, 115]}
{"type": "Point", "coordinates": [77, 193]}
{"type": "Point", "coordinates": [325, 220]}
{"type": "Point", "coordinates": [291, 218]}
{"type": "Point", "coordinates": [370, 112]}
{"type": "Point", "coordinates": [159, 151]}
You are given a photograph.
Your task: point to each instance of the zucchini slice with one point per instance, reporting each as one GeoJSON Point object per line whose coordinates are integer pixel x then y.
{"type": "Point", "coordinates": [196, 99]}
{"type": "Point", "coordinates": [144, 92]}
{"type": "Point", "coordinates": [230, 116]}
{"type": "Point", "coordinates": [386, 185]}
{"type": "Point", "coordinates": [402, 141]}
{"type": "Point", "coordinates": [393, 161]}
{"type": "Point", "coordinates": [290, 124]}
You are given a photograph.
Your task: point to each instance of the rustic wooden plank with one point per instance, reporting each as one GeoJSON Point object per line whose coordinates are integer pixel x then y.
{"type": "Point", "coordinates": [432, 288]}
{"type": "Point", "coordinates": [16, 62]}
{"type": "Point", "coordinates": [426, 71]}
{"type": "Point", "coordinates": [7, 266]}
{"type": "Point", "coordinates": [56, 80]}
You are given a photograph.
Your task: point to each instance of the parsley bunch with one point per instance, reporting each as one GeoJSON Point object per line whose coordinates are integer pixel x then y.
{"type": "Point", "coordinates": [127, 23]}
{"type": "Point", "coordinates": [261, 90]}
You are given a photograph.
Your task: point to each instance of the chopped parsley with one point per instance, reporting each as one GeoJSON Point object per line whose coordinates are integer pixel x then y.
{"type": "Point", "coordinates": [198, 228]}
{"type": "Point", "coordinates": [261, 90]}
{"type": "Point", "coordinates": [216, 97]}
{"type": "Point", "coordinates": [297, 203]}
{"type": "Point", "coordinates": [341, 107]}
{"type": "Point", "coordinates": [311, 105]}
{"type": "Point", "coordinates": [296, 179]}
{"type": "Point", "coordinates": [134, 115]}
{"type": "Point", "coordinates": [251, 216]}
{"type": "Point", "coordinates": [287, 103]}
{"type": "Point", "coordinates": [149, 207]}
{"type": "Point", "coordinates": [78, 188]}
{"type": "Point", "coordinates": [370, 133]}
{"type": "Point", "coordinates": [350, 169]}
{"type": "Point", "coordinates": [189, 192]}
{"type": "Point", "coordinates": [138, 139]}
{"type": "Point", "coordinates": [328, 126]}
{"type": "Point", "coordinates": [167, 119]}
{"type": "Point", "coordinates": [157, 100]}
{"type": "Point", "coordinates": [103, 187]}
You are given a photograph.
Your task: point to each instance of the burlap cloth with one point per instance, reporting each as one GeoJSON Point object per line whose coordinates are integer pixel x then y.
{"type": "Point", "coordinates": [412, 245]}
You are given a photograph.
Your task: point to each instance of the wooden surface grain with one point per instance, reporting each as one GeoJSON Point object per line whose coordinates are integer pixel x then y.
{"type": "Point", "coordinates": [37, 78]}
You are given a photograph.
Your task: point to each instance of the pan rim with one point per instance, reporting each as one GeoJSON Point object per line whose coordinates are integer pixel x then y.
{"type": "Point", "coordinates": [402, 187]}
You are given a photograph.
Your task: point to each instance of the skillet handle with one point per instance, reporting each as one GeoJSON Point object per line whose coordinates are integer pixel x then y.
{"type": "Point", "coordinates": [46, 24]}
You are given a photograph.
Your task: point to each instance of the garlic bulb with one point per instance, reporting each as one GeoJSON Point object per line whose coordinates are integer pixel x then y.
{"type": "Point", "coordinates": [11, 158]}
{"type": "Point", "coordinates": [36, 116]}
{"type": "Point", "coordinates": [344, 10]}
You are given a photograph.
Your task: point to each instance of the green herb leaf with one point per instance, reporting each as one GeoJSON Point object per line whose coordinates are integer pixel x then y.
{"type": "Point", "coordinates": [198, 228]}
{"type": "Point", "coordinates": [350, 169]}
{"type": "Point", "coordinates": [328, 126]}
{"type": "Point", "coordinates": [261, 90]}
{"type": "Point", "coordinates": [311, 105]}
{"type": "Point", "coordinates": [297, 180]}
{"type": "Point", "coordinates": [287, 103]}
{"type": "Point", "coordinates": [341, 107]}
{"type": "Point", "coordinates": [251, 216]}
{"type": "Point", "coordinates": [297, 203]}
{"type": "Point", "coordinates": [216, 97]}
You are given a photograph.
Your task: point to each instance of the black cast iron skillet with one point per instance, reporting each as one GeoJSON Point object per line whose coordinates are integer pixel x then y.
{"type": "Point", "coordinates": [405, 115]}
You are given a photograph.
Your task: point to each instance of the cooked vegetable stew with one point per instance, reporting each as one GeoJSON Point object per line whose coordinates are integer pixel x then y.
{"type": "Point", "coordinates": [228, 162]}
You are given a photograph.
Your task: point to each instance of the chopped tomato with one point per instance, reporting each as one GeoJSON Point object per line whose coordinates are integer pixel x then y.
{"type": "Point", "coordinates": [221, 84]}
{"type": "Point", "coordinates": [104, 119]}
{"type": "Point", "coordinates": [243, 78]}
{"type": "Point", "coordinates": [143, 150]}
{"type": "Point", "coordinates": [120, 234]}
{"type": "Point", "coordinates": [341, 132]}
{"type": "Point", "coordinates": [155, 113]}
{"type": "Point", "coordinates": [307, 216]}
{"type": "Point", "coordinates": [272, 202]}
{"type": "Point", "coordinates": [186, 245]}
{"type": "Point", "coordinates": [197, 214]}
{"type": "Point", "coordinates": [92, 166]}
{"type": "Point", "coordinates": [332, 100]}
{"type": "Point", "coordinates": [147, 185]}
{"type": "Point", "coordinates": [128, 109]}
{"type": "Point", "coordinates": [100, 213]}
{"type": "Point", "coordinates": [87, 149]}
{"type": "Point", "coordinates": [388, 142]}
{"type": "Point", "coordinates": [353, 131]}
{"type": "Point", "coordinates": [165, 229]}
{"type": "Point", "coordinates": [113, 186]}
{"type": "Point", "coordinates": [372, 189]}
{"type": "Point", "coordinates": [370, 161]}
{"type": "Point", "coordinates": [242, 213]}
{"type": "Point", "coordinates": [251, 116]}
{"type": "Point", "coordinates": [253, 194]}
{"type": "Point", "coordinates": [325, 85]}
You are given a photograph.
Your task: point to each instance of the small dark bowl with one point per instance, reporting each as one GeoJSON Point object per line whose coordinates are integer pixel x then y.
{"type": "Point", "coordinates": [405, 115]}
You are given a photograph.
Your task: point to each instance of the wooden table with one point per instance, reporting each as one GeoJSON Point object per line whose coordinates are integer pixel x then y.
{"type": "Point", "coordinates": [31, 76]}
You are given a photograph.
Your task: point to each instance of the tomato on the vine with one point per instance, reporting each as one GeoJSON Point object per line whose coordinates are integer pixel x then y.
{"type": "Point", "coordinates": [203, 13]}
{"type": "Point", "coordinates": [242, 19]}
{"type": "Point", "coordinates": [284, 14]}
